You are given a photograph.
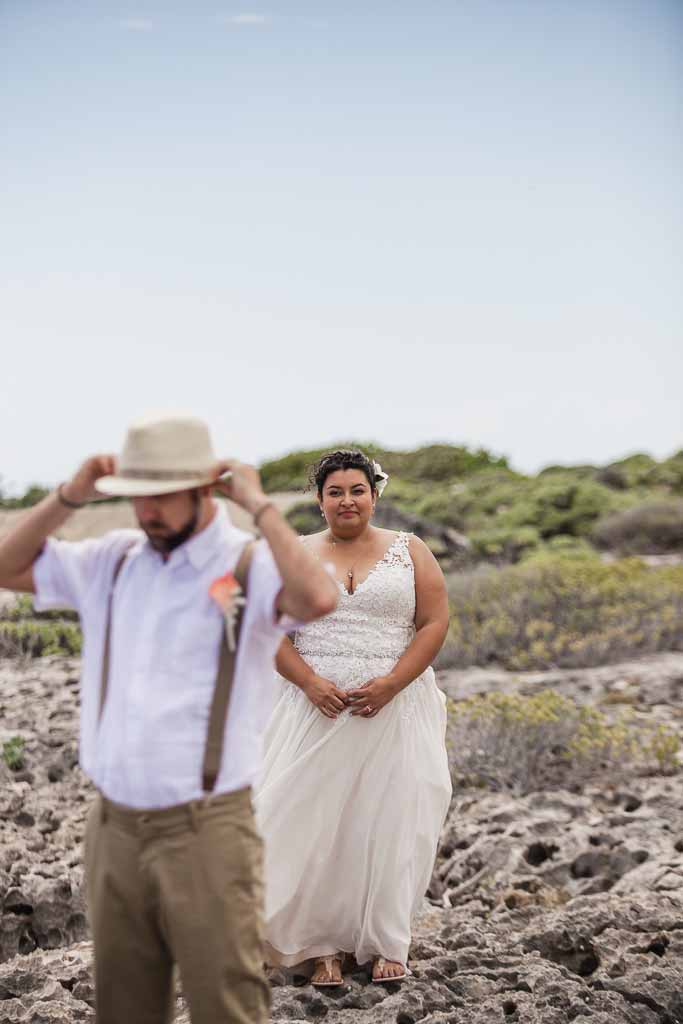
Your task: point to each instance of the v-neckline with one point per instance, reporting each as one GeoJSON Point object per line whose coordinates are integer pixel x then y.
{"type": "Point", "coordinates": [352, 593]}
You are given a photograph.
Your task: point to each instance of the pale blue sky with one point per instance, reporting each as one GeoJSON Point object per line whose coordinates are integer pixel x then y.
{"type": "Point", "coordinates": [405, 222]}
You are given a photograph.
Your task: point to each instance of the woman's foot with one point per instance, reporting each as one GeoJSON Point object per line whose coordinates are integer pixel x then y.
{"type": "Point", "coordinates": [387, 970]}
{"type": "Point", "coordinates": [327, 971]}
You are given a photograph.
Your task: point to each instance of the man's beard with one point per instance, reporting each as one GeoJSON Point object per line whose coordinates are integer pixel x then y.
{"type": "Point", "coordinates": [168, 542]}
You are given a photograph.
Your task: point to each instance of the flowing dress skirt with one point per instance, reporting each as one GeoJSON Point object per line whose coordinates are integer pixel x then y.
{"type": "Point", "coordinates": [351, 811]}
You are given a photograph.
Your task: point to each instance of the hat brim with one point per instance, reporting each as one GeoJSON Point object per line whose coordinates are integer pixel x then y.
{"type": "Point", "coordinates": [127, 487]}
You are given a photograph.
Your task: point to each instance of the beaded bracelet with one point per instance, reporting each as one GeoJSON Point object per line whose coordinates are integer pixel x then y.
{"type": "Point", "coordinates": [261, 510]}
{"type": "Point", "coordinates": [66, 502]}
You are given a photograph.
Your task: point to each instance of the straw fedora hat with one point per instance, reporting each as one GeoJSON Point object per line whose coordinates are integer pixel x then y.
{"type": "Point", "coordinates": [162, 453]}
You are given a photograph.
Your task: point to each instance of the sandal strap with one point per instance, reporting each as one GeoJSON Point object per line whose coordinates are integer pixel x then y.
{"type": "Point", "coordinates": [328, 961]}
{"type": "Point", "coordinates": [381, 962]}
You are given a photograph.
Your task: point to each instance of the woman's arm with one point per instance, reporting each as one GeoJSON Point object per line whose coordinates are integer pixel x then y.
{"type": "Point", "coordinates": [431, 625]}
{"type": "Point", "coordinates": [321, 692]}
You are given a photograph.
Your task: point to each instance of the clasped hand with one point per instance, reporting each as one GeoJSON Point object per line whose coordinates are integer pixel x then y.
{"type": "Point", "coordinates": [325, 696]}
{"type": "Point", "coordinates": [369, 699]}
{"type": "Point", "coordinates": [366, 700]}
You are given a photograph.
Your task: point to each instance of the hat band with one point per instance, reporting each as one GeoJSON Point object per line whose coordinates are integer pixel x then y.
{"type": "Point", "coordinates": [161, 474]}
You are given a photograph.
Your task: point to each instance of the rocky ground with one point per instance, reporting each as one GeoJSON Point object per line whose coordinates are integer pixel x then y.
{"type": "Point", "coordinates": [554, 907]}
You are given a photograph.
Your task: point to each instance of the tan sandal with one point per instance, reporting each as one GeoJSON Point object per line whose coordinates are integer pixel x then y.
{"type": "Point", "coordinates": [327, 964]}
{"type": "Point", "coordinates": [381, 962]}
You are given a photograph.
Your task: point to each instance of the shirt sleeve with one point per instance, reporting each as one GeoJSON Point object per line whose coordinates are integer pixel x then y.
{"type": "Point", "coordinates": [65, 570]}
{"type": "Point", "coordinates": [265, 585]}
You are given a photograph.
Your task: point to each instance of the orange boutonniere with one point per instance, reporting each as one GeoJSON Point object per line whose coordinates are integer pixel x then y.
{"type": "Point", "coordinates": [227, 593]}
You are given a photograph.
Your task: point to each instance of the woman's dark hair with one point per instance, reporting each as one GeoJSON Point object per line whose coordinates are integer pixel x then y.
{"type": "Point", "coordinates": [342, 459]}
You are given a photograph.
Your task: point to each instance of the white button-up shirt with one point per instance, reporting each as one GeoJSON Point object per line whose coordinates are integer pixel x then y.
{"type": "Point", "coordinates": [148, 749]}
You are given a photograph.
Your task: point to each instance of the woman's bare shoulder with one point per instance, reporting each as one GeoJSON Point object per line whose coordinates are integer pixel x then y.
{"type": "Point", "coordinates": [424, 560]}
{"type": "Point", "coordinates": [388, 536]}
{"type": "Point", "coordinates": [313, 541]}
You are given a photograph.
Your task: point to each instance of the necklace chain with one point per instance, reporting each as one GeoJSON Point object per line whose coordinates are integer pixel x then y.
{"type": "Point", "coordinates": [350, 571]}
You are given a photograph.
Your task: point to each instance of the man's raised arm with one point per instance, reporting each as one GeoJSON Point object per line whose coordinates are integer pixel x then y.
{"type": "Point", "coordinates": [308, 591]}
{"type": "Point", "coordinates": [22, 545]}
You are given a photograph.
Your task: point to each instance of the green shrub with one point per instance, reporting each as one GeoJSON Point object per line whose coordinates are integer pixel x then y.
{"type": "Point", "coordinates": [505, 543]}
{"type": "Point", "coordinates": [438, 506]}
{"type": "Point", "coordinates": [305, 518]}
{"type": "Point", "coordinates": [561, 546]}
{"type": "Point", "coordinates": [563, 612]}
{"type": "Point", "coordinates": [33, 494]}
{"type": "Point", "coordinates": [507, 516]}
{"type": "Point", "coordinates": [436, 463]}
{"type": "Point", "coordinates": [582, 472]}
{"type": "Point", "coordinates": [290, 473]}
{"type": "Point", "coordinates": [638, 470]}
{"type": "Point", "coordinates": [524, 743]}
{"type": "Point", "coordinates": [566, 506]}
{"type": "Point", "coordinates": [439, 463]}
{"type": "Point", "coordinates": [654, 527]}
{"type": "Point", "coordinates": [39, 638]}
{"type": "Point", "coordinates": [13, 753]}
{"type": "Point", "coordinates": [670, 473]}
{"type": "Point", "coordinates": [22, 610]}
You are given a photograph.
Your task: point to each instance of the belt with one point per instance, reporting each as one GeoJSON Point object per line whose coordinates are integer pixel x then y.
{"type": "Point", "coordinates": [135, 820]}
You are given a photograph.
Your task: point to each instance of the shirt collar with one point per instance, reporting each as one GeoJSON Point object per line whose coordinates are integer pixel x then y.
{"type": "Point", "coordinates": [200, 548]}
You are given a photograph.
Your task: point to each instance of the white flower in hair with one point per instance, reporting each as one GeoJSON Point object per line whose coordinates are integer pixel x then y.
{"type": "Point", "coordinates": [381, 478]}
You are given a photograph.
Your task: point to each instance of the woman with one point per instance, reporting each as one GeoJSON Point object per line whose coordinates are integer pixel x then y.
{"type": "Point", "coordinates": [356, 783]}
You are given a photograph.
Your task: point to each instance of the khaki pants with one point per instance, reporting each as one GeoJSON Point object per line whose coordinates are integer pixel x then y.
{"type": "Point", "coordinates": [177, 886]}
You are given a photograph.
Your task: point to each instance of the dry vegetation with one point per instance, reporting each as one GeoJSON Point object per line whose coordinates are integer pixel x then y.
{"type": "Point", "coordinates": [526, 743]}
{"type": "Point", "coordinates": [560, 612]}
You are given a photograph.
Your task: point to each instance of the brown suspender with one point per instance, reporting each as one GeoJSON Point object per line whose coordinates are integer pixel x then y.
{"type": "Point", "coordinates": [106, 653]}
{"type": "Point", "coordinates": [224, 678]}
{"type": "Point", "coordinates": [218, 715]}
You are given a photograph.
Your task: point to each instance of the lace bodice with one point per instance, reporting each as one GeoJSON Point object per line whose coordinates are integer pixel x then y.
{"type": "Point", "coordinates": [370, 628]}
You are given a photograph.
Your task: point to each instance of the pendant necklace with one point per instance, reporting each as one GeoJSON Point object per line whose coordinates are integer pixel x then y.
{"type": "Point", "coordinates": [349, 572]}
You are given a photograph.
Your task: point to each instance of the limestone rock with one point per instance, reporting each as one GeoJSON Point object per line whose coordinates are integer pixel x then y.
{"type": "Point", "coordinates": [552, 908]}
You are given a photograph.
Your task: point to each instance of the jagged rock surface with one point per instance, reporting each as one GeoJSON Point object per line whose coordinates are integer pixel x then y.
{"type": "Point", "coordinates": [555, 907]}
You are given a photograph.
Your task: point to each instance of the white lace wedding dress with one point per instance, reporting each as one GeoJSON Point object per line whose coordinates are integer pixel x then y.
{"type": "Point", "coordinates": [351, 809]}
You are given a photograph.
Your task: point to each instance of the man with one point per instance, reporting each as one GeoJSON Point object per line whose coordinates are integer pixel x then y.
{"type": "Point", "coordinates": [171, 717]}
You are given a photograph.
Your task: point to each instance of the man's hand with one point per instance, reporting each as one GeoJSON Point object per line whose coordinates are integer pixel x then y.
{"type": "Point", "coordinates": [243, 486]}
{"type": "Point", "coordinates": [22, 544]}
{"type": "Point", "coordinates": [81, 487]}
{"type": "Point", "coordinates": [367, 700]}
{"type": "Point", "coordinates": [325, 696]}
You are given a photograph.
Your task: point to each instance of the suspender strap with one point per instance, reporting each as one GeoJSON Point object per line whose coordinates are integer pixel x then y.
{"type": "Point", "coordinates": [106, 653]}
{"type": "Point", "coordinates": [218, 715]}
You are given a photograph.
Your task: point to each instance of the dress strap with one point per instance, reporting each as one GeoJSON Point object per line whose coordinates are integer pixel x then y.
{"type": "Point", "coordinates": [398, 553]}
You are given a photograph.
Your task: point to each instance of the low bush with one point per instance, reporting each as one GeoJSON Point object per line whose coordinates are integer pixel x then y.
{"type": "Point", "coordinates": [33, 494]}
{"type": "Point", "coordinates": [36, 638]}
{"type": "Point", "coordinates": [507, 516]}
{"type": "Point", "coordinates": [505, 543]}
{"type": "Point", "coordinates": [561, 546]}
{"type": "Point", "coordinates": [13, 753]}
{"type": "Point", "coordinates": [524, 743]}
{"type": "Point", "coordinates": [655, 527]}
{"type": "Point", "coordinates": [439, 505]}
{"type": "Point", "coordinates": [638, 470]}
{"type": "Point", "coordinates": [670, 473]}
{"type": "Point", "coordinates": [22, 610]}
{"type": "Point", "coordinates": [562, 612]}
{"type": "Point", "coordinates": [437, 463]}
{"type": "Point", "coordinates": [305, 518]}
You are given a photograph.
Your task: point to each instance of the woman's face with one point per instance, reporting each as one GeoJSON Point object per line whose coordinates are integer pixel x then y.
{"type": "Point", "coordinates": [347, 501]}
